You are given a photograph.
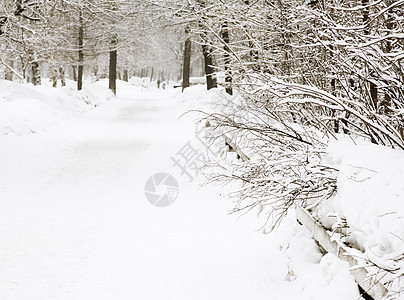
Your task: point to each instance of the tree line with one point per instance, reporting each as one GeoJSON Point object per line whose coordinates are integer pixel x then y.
{"type": "Point", "coordinates": [51, 38]}
{"type": "Point", "coordinates": [336, 66]}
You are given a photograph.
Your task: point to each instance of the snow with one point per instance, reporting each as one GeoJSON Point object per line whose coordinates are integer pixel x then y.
{"type": "Point", "coordinates": [26, 109]}
{"type": "Point", "coordinates": [370, 196]}
{"type": "Point", "coordinates": [312, 275]}
{"type": "Point", "coordinates": [75, 222]}
{"type": "Point", "coordinates": [368, 175]}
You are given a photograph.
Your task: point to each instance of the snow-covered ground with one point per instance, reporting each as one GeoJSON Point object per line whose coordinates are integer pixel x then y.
{"type": "Point", "coordinates": [75, 222]}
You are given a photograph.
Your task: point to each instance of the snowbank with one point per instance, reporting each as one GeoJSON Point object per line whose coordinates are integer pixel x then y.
{"type": "Point", "coordinates": [370, 196]}
{"type": "Point", "coordinates": [310, 274]}
{"type": "Point", "coordinates": [26, 109]}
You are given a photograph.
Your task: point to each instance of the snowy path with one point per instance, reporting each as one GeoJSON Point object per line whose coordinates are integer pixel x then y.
{"type": "Point", "coordinates": [75, 223]}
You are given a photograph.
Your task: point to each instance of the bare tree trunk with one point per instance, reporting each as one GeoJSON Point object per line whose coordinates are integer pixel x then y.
{"type": "Point", "coordinates": [152, 74]}
{"type": "Point", "coordinates": [226, 39]}
{"type": "Point", "coordinates": [125, 75]}
{"type": "Point", "coordinates": [54, 77]}
{"type": "Point", "coordinates": [365, 18]}
{"type": "Point", "coordinates": [62, 76]}
{"type": "Point", "coordinates": [81, 54]}
{"type": "Point", "coordinates": [36, 73]}
{"type": "Point", "coordinates": [186, 70]}
{"type": "Point", "coordinates": [253, 53]}
{"type": "Point", "coordinates": [112, 65]}
{"type": "Point", "coordinates": [333, 92]}
{"type": "Point", "coordinates": [386, 102]}
{"type": "Point", "coordinates": [373, 93]}
{"type": "Point", "coordinates": [365, 15]}
{"type": "Point", "coordinates": [112, 70]}
{"type": "Point", "coordinates": [211, 81]}
{"type": "Point", "coordinates": [74, 70]}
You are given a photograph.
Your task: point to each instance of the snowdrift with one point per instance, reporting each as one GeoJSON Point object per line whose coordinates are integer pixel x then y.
{"type": "Point", "coordinates": [367, 212]}
{"type": "Point", "coordinates": [26, 109]}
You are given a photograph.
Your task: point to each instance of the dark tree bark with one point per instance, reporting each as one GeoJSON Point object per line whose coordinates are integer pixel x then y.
{"type": "Point", "coordinates": [113, 55]}
{"type": "Point", "coordinates": [365, 19]}
{"type": "Point", "coordinates": [365, 15]}
{"type": "Point", "coordinates": [333, 89]}
{"type": "Point", "coordinates": [62, 76]}
{"type": "Point", "coordinates": [81, 54]}
{"type": "Point", "coordinates": [186, 70]}
{"type": "Point", "coordinates": [74, 68]}
{"type": "Point", "coordinates": [112, 70]}
{"type": "Point", "coordinates": [3, 21]}
{"type": "Point", "coordinates": [36, 73]}
{"type": "Point", "coordinates": [226, 40]}
{"type": "Point", "coordinates": [54, 77]}
{"type": "Point", "coordinates": [385, 104]}
{"type": "Point", "coordinates": [373, 94]}
{"type": "Point", "coordinates": [211, 81]}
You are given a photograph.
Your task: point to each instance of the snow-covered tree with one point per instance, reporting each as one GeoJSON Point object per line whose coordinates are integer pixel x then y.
{"type": "Point", "coordinates": [305, 73]}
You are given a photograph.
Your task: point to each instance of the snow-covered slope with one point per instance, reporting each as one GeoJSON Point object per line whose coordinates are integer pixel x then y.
{"type": "Point", "coordinates": [26, 109]}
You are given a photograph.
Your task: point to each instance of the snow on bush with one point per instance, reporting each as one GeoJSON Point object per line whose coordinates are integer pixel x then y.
{"type": "Point", "coordinates": [350, 187]}
{"type": "Point", "coordinates": [26, 109]}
